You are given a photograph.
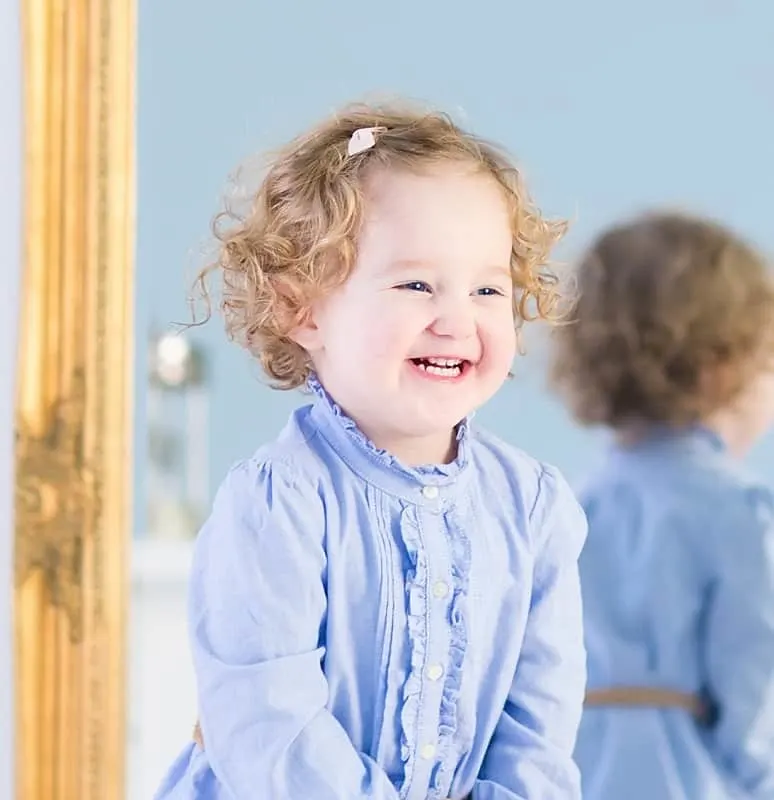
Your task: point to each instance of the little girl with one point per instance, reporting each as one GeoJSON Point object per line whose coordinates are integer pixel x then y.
{"type": "Point", "coordinates": [385, 601]}
{"type": "Point", "coordinates": [672, 348]}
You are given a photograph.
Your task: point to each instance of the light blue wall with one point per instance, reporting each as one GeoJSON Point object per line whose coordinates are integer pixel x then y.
{"type": "Point", "coordinates": [610, 107]}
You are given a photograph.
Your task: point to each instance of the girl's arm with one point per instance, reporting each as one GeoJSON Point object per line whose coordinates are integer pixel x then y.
{"type": "Point", "coordinates": [740, 646]}
{"type": "Point", "coordinates": [257, 605]}
{"type": "Point", "coordinates": [530, 754]}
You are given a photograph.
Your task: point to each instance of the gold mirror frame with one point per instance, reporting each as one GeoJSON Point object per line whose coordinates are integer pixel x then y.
{"type": "Point", "coordinates": [73, 417]}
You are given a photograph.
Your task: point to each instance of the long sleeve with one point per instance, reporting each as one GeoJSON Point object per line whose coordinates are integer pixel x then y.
{"type": "Point", "coordinates": [740, 647]}
{"type": "Point", "coordinates": [257, 611]}
{"type": "Point", "coordinates": [530, 754]}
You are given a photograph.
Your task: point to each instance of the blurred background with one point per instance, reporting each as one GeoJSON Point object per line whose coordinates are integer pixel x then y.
{"type": "Point", "coordinates": [610, 108]}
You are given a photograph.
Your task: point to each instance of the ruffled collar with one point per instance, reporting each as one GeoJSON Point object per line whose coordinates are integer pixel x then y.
{"type": "Point", "coordinates": [363, 455]}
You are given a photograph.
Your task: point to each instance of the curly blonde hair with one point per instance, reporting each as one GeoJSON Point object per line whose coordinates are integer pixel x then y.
{"type": "Point", "coordinates": [297, 238]}
{"type": "Point", "coordinates": [673, 319]}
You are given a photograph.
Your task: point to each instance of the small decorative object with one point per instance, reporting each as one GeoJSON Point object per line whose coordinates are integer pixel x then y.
{"type": "Point", "coordinates": [178, 437]}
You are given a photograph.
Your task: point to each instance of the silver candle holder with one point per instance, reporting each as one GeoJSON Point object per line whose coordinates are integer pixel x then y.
{"type": "Point", "coordinates": [178, 437]}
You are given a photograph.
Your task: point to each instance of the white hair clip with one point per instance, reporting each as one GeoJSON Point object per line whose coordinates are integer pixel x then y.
{"type": "Point", "coordinates": [362, 139]}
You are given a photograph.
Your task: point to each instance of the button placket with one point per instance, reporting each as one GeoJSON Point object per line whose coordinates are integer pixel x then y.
{"type": "Point", "coordinates": [430, 492]}
{"type": "Point", "coordinates": [427, 751]}
{"type": "Point", "coordinates": [438, 597]}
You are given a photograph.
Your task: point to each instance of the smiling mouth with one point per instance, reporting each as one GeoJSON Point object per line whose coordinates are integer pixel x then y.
{"type": "Point", "coordinates": [442, 367]}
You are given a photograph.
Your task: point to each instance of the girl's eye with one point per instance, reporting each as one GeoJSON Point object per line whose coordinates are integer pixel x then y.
{"type": "Point", "coordinates": [415, 286]}
{"type": "Point", "coordinates": [490, 291]}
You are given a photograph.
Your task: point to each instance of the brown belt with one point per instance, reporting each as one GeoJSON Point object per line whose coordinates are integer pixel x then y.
{"type": "Point", "coordinates": [648, 697]}
{"type": "Point", "coordinates": [614, 697]}
{"type": "Point", "coordinates": [197, 735]}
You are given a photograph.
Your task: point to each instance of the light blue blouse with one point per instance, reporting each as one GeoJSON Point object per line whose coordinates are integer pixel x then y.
{"type": "Point", "coordinates": [364, 630]}
{"type": "Point", "coordinates": [678, 584]}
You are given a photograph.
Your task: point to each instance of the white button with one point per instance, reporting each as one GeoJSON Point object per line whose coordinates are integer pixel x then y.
{"type": "Point", "coordinates": [440, 589]}
{"type": "Point", "coordinates": [434, 671]}
{"type": "Point", "coordinates": [427, 751]}
{"type": "Point", "coordinates": [430, 492]}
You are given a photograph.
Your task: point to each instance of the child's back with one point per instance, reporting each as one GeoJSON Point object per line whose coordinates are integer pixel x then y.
{"type": "Point", "coordinates": [671, 349]}
{"type": "Point", "coordinates": [678, 582]}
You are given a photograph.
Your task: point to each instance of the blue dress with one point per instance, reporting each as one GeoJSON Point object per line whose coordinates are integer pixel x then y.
{"type": "Point", "coordinates": [678, 589]}
{"type": "Point", "coordinates": [364, 630]}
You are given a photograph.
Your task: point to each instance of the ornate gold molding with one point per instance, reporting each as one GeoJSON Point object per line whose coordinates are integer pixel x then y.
{"type": "Point", "coordinates": [74, 399]}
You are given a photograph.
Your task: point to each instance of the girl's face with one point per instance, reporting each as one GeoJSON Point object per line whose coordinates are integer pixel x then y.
{"type": "Point", "coordinates": [422, 333]}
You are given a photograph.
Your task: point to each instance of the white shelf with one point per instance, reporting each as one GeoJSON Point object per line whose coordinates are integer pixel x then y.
{"type": "Point", "coordinates": [160, 561]}
{"type": "Point", "coordinates": [162, 685]}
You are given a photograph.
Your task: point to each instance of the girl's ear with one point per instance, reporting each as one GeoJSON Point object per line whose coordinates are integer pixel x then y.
{"type": "Point", "coordinates": [300, 316]}
{"type": "Point", "coordinates": [307, 333]}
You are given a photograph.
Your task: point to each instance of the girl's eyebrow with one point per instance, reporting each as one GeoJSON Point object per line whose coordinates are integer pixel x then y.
{"type": "Point", "coordinates": [409, 264]}
{"type": "Point", "coordinates": [498, 271]}
{"type": "Point", "coordinates": [403, 266]}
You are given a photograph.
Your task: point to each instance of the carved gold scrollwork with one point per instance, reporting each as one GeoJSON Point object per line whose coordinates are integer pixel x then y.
{"type": "Point", "coordinates": [56, 506]}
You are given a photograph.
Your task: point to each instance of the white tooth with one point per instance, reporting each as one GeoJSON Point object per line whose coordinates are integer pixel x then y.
{"type": "Point", "coordinates": [446, 372]}
{"type": "Point", "coordinates": [444, 362]}
{"type": "Point", "coordinates": [443, 367]}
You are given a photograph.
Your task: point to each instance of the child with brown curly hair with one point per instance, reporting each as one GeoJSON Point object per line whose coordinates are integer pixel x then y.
{"type": "Point", "coordinates": [671, 347]}
{"type": "Point", "coordinates": [385, 601]}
